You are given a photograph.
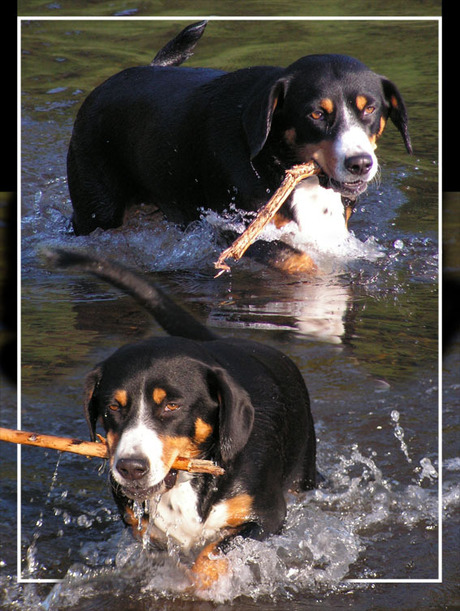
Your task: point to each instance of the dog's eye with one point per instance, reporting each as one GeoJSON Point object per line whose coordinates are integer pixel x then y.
{"type": "Point", "coordinates": [369, 110]}
{"type": "Point", "coordinates": [317, 115]}
{"type": "Point", "coordinates": [170, 407]}
{"type": "Point", "coordinates": [114, 407]}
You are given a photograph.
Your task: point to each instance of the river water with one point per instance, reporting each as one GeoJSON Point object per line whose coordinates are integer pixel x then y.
{"type": "Point", "coordinates": [364, 333]}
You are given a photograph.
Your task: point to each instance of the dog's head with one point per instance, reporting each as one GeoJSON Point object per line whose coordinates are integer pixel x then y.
{"type": "Point", "coordinates": [161, 399]}
{"type": "Point", "coordinates": [330, 108]}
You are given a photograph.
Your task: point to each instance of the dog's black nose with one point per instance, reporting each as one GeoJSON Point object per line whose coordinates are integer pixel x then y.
{"type": "Point", "coordinates": [359, 164]}
{"type": "Point", "coordinates": [132, 468]}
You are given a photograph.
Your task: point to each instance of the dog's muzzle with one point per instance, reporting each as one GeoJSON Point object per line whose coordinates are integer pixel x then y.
{"type": "Point", "coordinates": [134, 473]}
{"type": "Point", "coordinates": [358, 168]}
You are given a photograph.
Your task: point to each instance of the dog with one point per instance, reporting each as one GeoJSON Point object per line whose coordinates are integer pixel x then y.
{"type": "Point", "coordinates": [188, 139]}
{"type": "Point", "coordinates": [239, 403]}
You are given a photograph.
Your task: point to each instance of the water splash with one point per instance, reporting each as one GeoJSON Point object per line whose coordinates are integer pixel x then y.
{"type": "Point", "coordinates": [333, 533]}
{"type": "Point", "coordinates": [33, 564]}
{"type": "Point", "coordinates": [427, 470]}
{"type": "Point", "coordinates": [348, 248]}
{"type": "Point", "coordinates": [315, 551]}
{"type": "Point", "coordinates": [138, 509]}
{"type": "Point", "coordinates": [399, 434]}
{"type": "Point", "coordinates": [150, 243]}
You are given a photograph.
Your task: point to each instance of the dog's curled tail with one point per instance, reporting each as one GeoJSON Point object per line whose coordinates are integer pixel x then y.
{"type": "Point", "coordinates": [180, 48]}
{"type": "Point", "coordinates": [167, 313]}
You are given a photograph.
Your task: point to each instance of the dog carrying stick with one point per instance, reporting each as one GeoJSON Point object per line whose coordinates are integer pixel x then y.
{"type": "Point", "coordinates": [97, 449]}
{"type": "Point", "coordinates": [291, 179]}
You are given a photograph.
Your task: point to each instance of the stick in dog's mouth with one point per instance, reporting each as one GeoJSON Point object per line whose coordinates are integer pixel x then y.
{"type": "Point", "coordinates": [99, 449]}
{"type": "Point", "coordinates": [291, 179]}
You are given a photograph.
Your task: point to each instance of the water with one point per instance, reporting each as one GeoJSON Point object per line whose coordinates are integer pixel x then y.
{"type": "Point", "coordinates": [363, 333]}
{"type": "Point", "coordinates": [32, 563]}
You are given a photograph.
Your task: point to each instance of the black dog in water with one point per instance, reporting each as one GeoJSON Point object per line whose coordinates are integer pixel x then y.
{"type": "Point", "coordinates": [185, 139]}
{"type": "Point", "coordinates": [238, 403]}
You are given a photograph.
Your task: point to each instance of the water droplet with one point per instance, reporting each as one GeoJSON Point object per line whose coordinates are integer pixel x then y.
{"type": "Point", "coordinates": [428, 471]}
{"type": "Point", "coordinates": [138, 509]}
{"type": "Point", "coordinates": [399, 434]}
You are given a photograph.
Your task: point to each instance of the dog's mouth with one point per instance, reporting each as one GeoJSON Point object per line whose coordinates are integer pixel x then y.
{"type": "Point", "coordinates": [137, 492]}
{"type": "Point", "coordinates": [348, 189]}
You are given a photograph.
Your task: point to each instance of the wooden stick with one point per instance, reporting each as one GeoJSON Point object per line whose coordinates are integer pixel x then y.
{"type": "Point", "coordinates": [97, 450]}
{"type": "Point", "coordinates": [291, 179]}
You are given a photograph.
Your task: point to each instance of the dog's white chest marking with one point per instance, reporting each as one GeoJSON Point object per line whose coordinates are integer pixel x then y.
{"type": "Point", "coordinates": [319, 214]}
{"type": "Point", "coordinates": [177, 516]}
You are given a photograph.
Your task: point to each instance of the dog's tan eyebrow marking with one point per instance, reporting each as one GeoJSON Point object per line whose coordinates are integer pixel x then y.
{"type": "Point", "coordinates": [121, 396]}
{"type": "Point", "coordinates": [327, 104]}
{"type": "Point", "coordinates": [361, 102]}
{"type": "Point", "coordinates": [158, 395]}
{"type": "Point", "coordinates": [394, 101]}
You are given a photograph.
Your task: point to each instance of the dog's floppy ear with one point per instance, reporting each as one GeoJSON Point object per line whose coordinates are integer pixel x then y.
{"type": "Point", "coordinates": [397, 112]}
{"type": "Point", "coordinates": [236, 414]}
{"type": "Point", "coordinates": [91, 412]}
{"type": "Point", "coordinates": [258, 114]}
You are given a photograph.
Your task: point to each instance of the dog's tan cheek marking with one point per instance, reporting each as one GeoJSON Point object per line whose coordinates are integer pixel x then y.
{"type": "Point", "coordinates": [327, 104]}
{"type": "Point", "coordinates": [158, 395]}
{"type": "Point", "coordinates": [202, 430]}
{"type": "Point", "coordinates": [177, 446]}
{"type": "Point", "coordinates": [373, 138]}
{"type": "Point", "coordinates": [323, 154]}
{"type": "Point", "coordinates": [112, 442]}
